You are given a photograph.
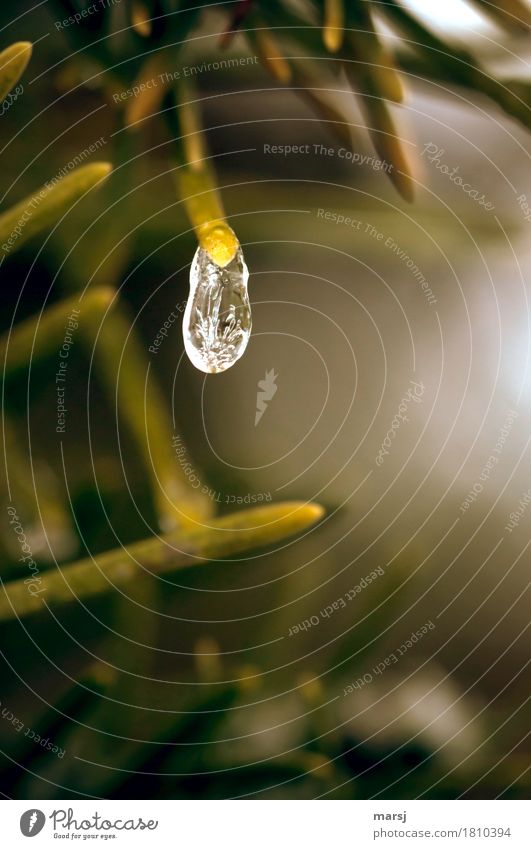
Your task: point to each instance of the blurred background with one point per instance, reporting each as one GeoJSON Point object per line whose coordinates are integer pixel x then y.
{"type": "Point", "coordinates": [398, 335]}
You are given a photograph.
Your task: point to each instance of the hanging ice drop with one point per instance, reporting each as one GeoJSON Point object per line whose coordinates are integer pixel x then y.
{"type": "Point", "coordinates": [217, 320]}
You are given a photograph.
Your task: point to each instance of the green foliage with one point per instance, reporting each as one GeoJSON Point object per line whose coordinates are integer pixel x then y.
{"type": "Point", "coordinates": [306, 44]}
{"type": "Point", "coordinates": [13, 61]}
{"type": "Point", "coordinates": [43, 209]}
{"type": "Point", "coordinates": [173, 749]}
{"type": "Point", "coordinates": [234, 534]}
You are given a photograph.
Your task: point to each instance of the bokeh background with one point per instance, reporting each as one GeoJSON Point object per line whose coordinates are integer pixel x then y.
{"type": "Point", "coordinates": [193, 687]}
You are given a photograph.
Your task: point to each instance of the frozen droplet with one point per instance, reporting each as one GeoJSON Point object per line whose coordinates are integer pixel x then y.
{"type": "Point", "coordinates": [217, 320]}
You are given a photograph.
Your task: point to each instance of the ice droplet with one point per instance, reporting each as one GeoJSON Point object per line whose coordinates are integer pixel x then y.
{"type": "Point", "coordinates": [217, 320]}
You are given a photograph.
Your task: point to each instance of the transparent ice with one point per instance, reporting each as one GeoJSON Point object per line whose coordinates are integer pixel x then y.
{"type": "Point", "coordinates": [217, 320]}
